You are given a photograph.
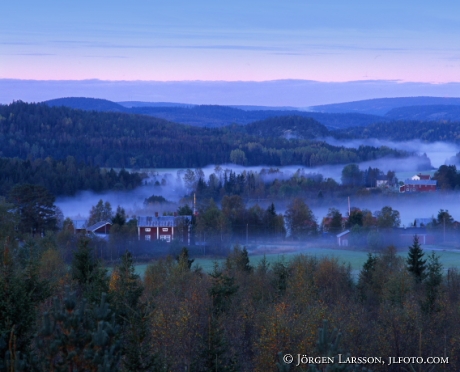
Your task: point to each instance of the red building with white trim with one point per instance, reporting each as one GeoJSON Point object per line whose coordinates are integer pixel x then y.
{"type": "Point", "coordinates": [164, 228]}
{"type": "Point", "coordinates": [418, 186]}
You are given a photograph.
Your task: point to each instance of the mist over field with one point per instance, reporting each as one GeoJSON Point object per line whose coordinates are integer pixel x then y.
{"type": "Point", "coordinates": [78, 207]}
{"type": "Point", "coordinates": [170, 184]}
{"type": "Point", "coordinates": [438, 152]}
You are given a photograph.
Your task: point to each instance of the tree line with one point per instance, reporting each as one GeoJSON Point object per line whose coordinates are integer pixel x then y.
{"type": "Point", "coordinates": [405, 130]}
{"type": "Point", "coordinates": [31, 131]}
{"type": "Point", "coordinates": [63, 177]}
{"type": "Point", "coordinates": [237, 317]}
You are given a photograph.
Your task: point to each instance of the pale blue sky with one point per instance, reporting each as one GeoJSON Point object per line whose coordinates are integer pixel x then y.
{"type": "Point", "coordinates": [238, 40]}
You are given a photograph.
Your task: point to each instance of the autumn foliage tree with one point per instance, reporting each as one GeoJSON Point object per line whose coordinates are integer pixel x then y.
{"type": "Point", "coordinates": [300, 219]}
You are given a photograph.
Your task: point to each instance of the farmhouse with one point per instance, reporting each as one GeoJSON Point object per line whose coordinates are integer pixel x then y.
{"type": "Point", "coordinates": [421, 185]}
{"type": "Point", "coordinates": [382, 181]}
{"type": "Point", "coordinates": [164, 228]}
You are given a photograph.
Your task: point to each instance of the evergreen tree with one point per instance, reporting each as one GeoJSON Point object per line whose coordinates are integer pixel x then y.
{"type": "Point", "coordinates": [125, 288]}
{"type": "Point", "coordinates": [137, 354]}
{"type": "Point", "coordinates": [120, 217]}
{"type": "Point", "coordinates": [216, 357]}
{"type": "Point", "coordinates": [21, 291]}
{"type": "Point", "coordinates": [222, 289]}
{"type": "Point", "coordinates": [8, 222]}
{"type": "Point", "coordinates": [183, 261]}
{"type": "Point", "coordinates": [88, 272]}
{"type": "Point", "coordinates": [184, 210]}
{"type": "Point", "coordinates": [366, 275]}
{"type": "Point", "coordinates": [35, 207]}
{"type": "Point", "coordinates": [132, 315]}
{"type": "Point", "coordinates": [433, 281]}
{"type": "Point", "coordinates": [281, 275]}
{"type": "Point", "coordinates": [238, 260]}
{"type": "Point", "coordinates": [78, 337]}
{"type": "Point", "coordinates": [415, 262]}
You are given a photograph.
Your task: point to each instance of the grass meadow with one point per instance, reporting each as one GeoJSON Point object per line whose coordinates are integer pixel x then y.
{"type": "Point", "coordinates": [356, 259]}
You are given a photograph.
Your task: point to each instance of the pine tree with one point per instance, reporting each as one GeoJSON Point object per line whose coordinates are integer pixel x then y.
{"type": "Point", "coordinates": [125, 295]}
{"type": "Point", "coordinates": [433, 282]}
{"type": "Point", "coordinates": [120, 217]}
{"type": "Point", "coordinates": [21, 291]}
{"type": "Point", "coordinates": [238, 260]}
{"type": "Point", "coordinates": [366, 275]}
{"type": "Point", "coordinates": [415, 262]}
{"type": "Point", "coordinates": [183, 261]}
{"type": "Point", "coordinates": [223, 288]}
{"type": "Point", "coordinates": [78, 337]}
{"type": "Point", "coordinates": [89, 273]}
{"type": "Point", "coordinates": [216, 357]}
{"type": "Point", "coordinates": [137, 354]}
{"type": "Point", "coordinates": [125, 288]}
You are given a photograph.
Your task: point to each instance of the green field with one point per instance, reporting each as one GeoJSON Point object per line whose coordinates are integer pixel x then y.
{"type": "Point", "coordinates": [356, 259]}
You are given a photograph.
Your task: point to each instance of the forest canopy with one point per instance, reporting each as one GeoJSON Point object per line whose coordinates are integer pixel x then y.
{"type": "Point", "coordinates": [32, 131]}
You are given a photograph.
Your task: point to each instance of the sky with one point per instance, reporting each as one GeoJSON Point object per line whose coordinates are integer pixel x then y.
{"type": "Point", "coordinates": [179, 40]}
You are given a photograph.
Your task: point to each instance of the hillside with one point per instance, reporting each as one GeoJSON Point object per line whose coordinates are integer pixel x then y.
{"type": "Point", "coordinates": [288, 127]}
{"type": "Point", "coordinates": [381, 106]}
{"type": "Point", "coordinates": [112, 139]}
{"type": "Point", "coordinates": [406, 130]}
{"type": "Point", "coordinates": [89, 104]}
{"type": "Point", "coordinates": [213, 116]}
{"type": "Point", "coordinates": [426, 113]}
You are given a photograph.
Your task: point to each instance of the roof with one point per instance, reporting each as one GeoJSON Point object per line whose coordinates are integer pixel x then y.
{"type": "Point", "coordinates": [161, 221]}
{"type": "Point", "coordinates": [424, 176]}
{"type": "Point", "coordinates": [343, 233]}
{"type": "Point", "coordinates": [98, 225]}
{"type": "Point", "coordinates": [79, 224]}
{"type": "Point", "coordinates": [421, 182]}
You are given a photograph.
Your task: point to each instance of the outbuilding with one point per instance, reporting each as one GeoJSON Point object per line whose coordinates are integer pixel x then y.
{"type": "Point", "coordinates": [343, 238]}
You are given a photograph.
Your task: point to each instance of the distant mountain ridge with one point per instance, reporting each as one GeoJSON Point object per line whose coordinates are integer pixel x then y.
{"type": "Point", "coordinates": [426, 113]}
{"type": "Point", "coordinates": [87, 104]}
{"type": "Point", "coordinates": [213, 115]}
{"type": "Point", "coordinates": [130, 104]}
{"type": "Point", "coordinates": [382, 106]}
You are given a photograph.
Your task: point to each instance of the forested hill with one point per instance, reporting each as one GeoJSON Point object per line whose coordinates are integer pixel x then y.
{"type": "Point", "coordinates": [426, 113]}
{"type": "Point", "coordinates": [31, 131]}
{"type": "Point", "coordinates": [63, 177]}
{"type": "Point", "coordinates": [406, 130]}
{"type": "Point", "coordinates": [287, 127]}
{"type": "Point", "coordinates": [88, 104]}
{"type": "Point", "coordinates": [214, 115]}
{"type": "Point", "coordinates": [380, 106]}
